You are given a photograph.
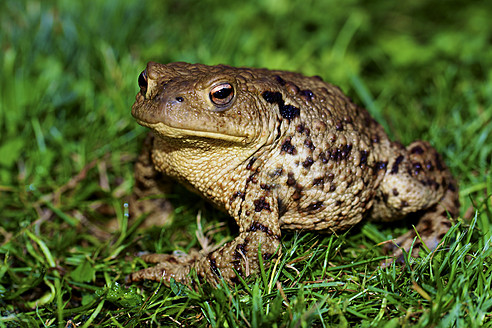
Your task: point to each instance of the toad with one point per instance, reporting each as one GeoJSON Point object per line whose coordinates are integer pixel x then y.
{"type": "Point", "coordinates": [277, 151]}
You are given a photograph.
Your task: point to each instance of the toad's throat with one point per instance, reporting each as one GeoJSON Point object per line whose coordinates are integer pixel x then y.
{"type": "Point", "coordinates": [182, 133]}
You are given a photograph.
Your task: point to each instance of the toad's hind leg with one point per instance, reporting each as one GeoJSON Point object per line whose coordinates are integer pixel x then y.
{"type": "Point", "coordinates": [149, 183]}
{"type": "Point", "coordinates": [417, 183]}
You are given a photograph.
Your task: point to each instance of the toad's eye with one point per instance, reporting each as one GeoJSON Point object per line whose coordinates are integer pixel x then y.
{"type": "Point", "coordinates": [222, 94]}
{"type": "Point", "coordinates": [142, 81]}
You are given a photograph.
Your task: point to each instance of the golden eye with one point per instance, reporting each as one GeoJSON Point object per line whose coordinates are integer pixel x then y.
{"type": "Point", "coordinates": [222, 94]}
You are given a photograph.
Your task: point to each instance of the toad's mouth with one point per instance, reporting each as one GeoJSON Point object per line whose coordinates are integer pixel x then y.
{"type": "Point", "coordinates": [168, 131]}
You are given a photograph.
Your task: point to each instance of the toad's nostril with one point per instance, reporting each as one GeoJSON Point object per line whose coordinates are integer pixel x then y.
{"type": "Point", "coordinates": [142, 81]}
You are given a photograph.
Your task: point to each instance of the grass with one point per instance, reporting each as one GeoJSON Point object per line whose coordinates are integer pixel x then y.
{"type": "Point", "coordinates": [68, 141]}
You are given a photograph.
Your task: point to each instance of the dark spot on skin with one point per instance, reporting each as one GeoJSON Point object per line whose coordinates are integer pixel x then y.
{"type": "Point", "coordinates": [247, 213]}
{"type": "Point", "coordinates": [319, 181]}
{"type": "Point", "coordinates": [452, 187]}
{"type": "Point", "coordinates": [395, 192]}
{"type": "Point", "coordinates": [308, 162]}
{"type": "Point", "coordinates": [333, 187]}
{"type": "Point", "coordinates": [334, 154]}
{"type": "Point", "coordinates": [429, 182]}
{"type": "Point", "coordinates": [375, 139]}
{"type": "Point", "coordinates": [330, 177]}
{"type": "Point", "coordinates": [417, 167]}
{"type": "Point", "coordinates": [439, 164]}
{"type": "Point", "coordinates": [381, 165]}
{"type": "Point", "coordinates": [446, 223]}
{"type": "Point", "coordinates": [396, 164]}
{"type": "Point", "coordinates": [363, 157]}
{"type": "Point", "coordinates": [313, 207]}
{"type": "Point", "coordinates": [307, 94]}
{"type": "Point", "coordinates": [319, 78]}
{"type": "Point", "coordinates": [456, 203]}
{"type": "Point", "coordinates": [338, 203]}
{"type": "Point", "coordinates": [281, 207]}
{"type": "Point", "coordinates": [425, 224]}
{"type": "Point", "coordinates": [339, 154]}
{"type": "Point", "coordinates": [266, 186]}
{"type": "Point", "coordinates": [235, 280]}
{"type": "Point", "coordinates": [172, 260]}
{"type": "Point", "coordinates": [252, 178]}
{"type": "Point", "coordinates": [261, 204]}
{"type": "Point", "coordinates": [250, 164]}
{"type": "Point", "coordinates": [300, 128]}
{"type": "Point", "coordinates": [213, 266]}
{"type": "Point", "coordinates": [280, 80]}
{"type": "Point", "coordinates": [257, 226]}
{"type": "Point", "coordinates": [339, 126]}
{"type": "Point", "coordinates": [323, 158]}
{"type": "Point", "coordinates": [384, 197]}
{"type": "Point", "coordinates": [399, 145]}
{"type": "Point", "coordinates": [297, 194]}
{"type": "Point", "coordinates": [417, 150]}
{"type": "Point", "coordinates": [403, 204]}
{"type": "Point", "coordinates": [345, 151]}
{"type": "Point", "coordinates": [289, 112]}
{"type": "Point", "coordinates": [236, 195]}
{"type": "Point", "coordinates": [309, 144]}
{"type": "Point", "coordinates": [273, 97]}
{"type": "Point", "coordinates": [288, 148]}
{"type": "Point", "coordinates": [307, 132]}
{"type": "Point", "coordinates": [290, 179]}
{"type": "Point", "coordinates": [266, 256]}
{"type": "Point", "coordinates": [347, 119]}
{"type": "Point", "coordinates": [277, 172]}
{"type": "Point", "coordinates": [239, 252]}
{"type": "Point", "coordinates": [429, 166]}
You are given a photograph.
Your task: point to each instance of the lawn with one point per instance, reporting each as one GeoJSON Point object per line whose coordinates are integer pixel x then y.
{"type": "Point", "coordinates": [68, 142]}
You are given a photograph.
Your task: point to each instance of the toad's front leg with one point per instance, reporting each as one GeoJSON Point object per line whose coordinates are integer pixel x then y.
{"type": "Point", "coordinates": [259, 234]}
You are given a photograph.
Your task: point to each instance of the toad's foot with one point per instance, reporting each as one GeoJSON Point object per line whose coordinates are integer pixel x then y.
{"type": "Point", "coordinates": [236, 258]}
{"type": "Point", "coordinates": [167, 267]}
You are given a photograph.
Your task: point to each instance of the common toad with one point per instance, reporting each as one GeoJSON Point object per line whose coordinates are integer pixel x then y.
{"type": "Point", "coordinates": [276, 150]}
